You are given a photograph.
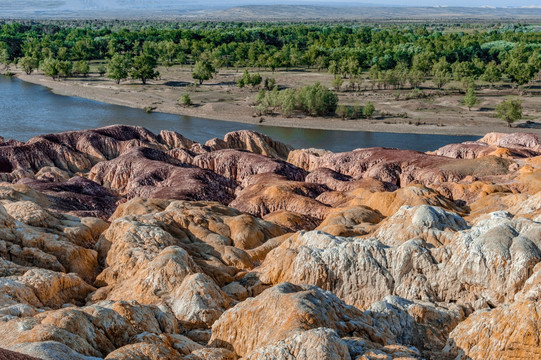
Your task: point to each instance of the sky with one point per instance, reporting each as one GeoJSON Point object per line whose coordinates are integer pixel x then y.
{"type": "Point", "coordinates": [495, 3]}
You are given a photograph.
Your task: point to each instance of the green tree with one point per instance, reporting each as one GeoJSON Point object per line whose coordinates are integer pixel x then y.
{"type": "Point", "coordinates": [509, 111]}
{"type": "Point", "coordinates": [288, 101]}
{"type": "Point", "coordinates": [441, 73]}
{"type": "Point", "coordinates": [28, 64]}
{"type": "Point", "coordinates": [423, 62]}
{"type": "Point", "coordinates": [144, 68]}
{"type": "Point", "coordinates": [270, 83]}
{"type": "Point", "coordinates": [465, 69]}
{"type": "Point", "coordinates": [317, 99]}
{"type": "Point", "coordinates": [202, 71]}
{"type": "Point", "coordinates": [519, 72]}
{"type": "Point", "coordinates": [255, 80]}
{"type": "Point", "coordinates": [81, 68]}
{"type": "Point", "coordinates": [118, 67]}
{"type": "Point", "coordinates": [62, 53]}
{"type": "Point", "coordinates": [415, 78]}
{"type": "Point", "coordinates": [5, 58]}
{"type": "Point", "coordinates": [470, 99]}
{"type": "Point", "coordinates": [368, 110]}
{"type": "Point", "coordinates": [168, 51]}
{"type": "Point", "coordinates": [50, 67]}
{"type": "Point", "coordinates": [492, 73]}
{"type": "Point", "coordinates": [240, 82]}
{"type": "Point", "coordinates": [65, 68]}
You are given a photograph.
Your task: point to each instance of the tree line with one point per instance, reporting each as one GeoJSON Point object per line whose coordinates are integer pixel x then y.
{"type": "Point", "coordinates": [394, 56]}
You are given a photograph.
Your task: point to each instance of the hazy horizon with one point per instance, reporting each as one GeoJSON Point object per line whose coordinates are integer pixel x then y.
{"type": "Point", "coordinates": [217, 8]}
{"type": "Point", "coordinates": [37, 5]}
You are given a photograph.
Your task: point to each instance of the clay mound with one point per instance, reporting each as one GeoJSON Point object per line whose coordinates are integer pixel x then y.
{"type": "Point", "coordinates": [413, 255]}
{"type": "Point", "coordinates": [239, 165]}
{"type": "Point", "coordinates": [76, 151]}
{"type": "Point", "coordinates": [77, 196]}
{"type": "Point", "coordinates": [270, 193]}
{"type": "Point", "coordinates": [514, 140]}
{"type": "Point", "coordinates": [252, 141]}
{"type": "Point", "coordinates": [340, 182]}
{"type": "Point", "coordinates": [398, 167]}
{"type": "Point", "coordinates": [11, 355]}
{"type": "Point", "coordinates": [507, 332]}
{"type": "Point", "coordinates": [284, 310]}
{"type": "Point", "coordinates": [516, 145]}
{"type": "Point", "coordinates": [144, 172]}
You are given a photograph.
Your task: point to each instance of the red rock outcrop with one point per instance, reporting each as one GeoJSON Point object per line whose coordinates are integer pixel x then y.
{"type": "Point", "coordinates": [269, 193]}
{"type": "Point", "coordinates": [11, 355]}
{"type": "Point", "coordinates": [144, 172]}
{"type": "Point", "coordinates": [252, 141]}
{"type": "Point", "coordinates": [240, 165]}
{"type": "Point", "coordinates": [77, 196]}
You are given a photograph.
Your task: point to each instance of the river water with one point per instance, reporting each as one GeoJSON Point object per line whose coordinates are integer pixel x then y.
{"type": "Point", "coordinates": [27, 110]}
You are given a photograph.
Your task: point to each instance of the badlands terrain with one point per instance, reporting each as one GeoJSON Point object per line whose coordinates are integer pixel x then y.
{"type": "Point", "coordinates": [117, 243]}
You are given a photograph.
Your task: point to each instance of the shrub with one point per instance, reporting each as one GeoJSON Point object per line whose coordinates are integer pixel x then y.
{"type": "Point", "coordinates": [185, 100]}
{"type": "Point", "coordinates": [317, 100]}
{"type": "Point", "coordinates": [342, 111]}
{"type": "Point", "coordinates": [337, 83]}
{"type": "Point", "coordinates": [368, 110]}
{"type": "Point", "coordinates": [270, 83]}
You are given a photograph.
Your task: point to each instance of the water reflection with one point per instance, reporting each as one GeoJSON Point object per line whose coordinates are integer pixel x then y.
{"type": "Point", "coordinates": [29, 110]}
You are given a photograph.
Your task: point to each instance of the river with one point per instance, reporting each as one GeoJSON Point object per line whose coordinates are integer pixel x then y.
{"type": "Point", "coordinates": [28, 110]}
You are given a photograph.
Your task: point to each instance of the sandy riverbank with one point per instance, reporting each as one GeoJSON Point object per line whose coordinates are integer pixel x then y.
{"type": "Point", "coordinates": [220, 99]}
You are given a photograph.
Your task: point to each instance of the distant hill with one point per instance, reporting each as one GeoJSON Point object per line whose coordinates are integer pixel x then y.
{"type": "Point", "coordinates": [234, 10]}
{"type": "Point", "coordinates": [307, 12]}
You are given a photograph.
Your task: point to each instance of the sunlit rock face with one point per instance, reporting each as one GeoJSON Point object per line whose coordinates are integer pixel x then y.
{"type": "Point", "coordinates": [117, 243]}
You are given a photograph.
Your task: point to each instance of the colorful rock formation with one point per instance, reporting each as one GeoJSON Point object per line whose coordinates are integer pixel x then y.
{"type": "Point", "coordinates": [117, 243]}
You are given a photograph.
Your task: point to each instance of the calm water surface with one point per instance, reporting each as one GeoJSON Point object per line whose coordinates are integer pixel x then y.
{"type": "Point", "coordinates": [28, 110]}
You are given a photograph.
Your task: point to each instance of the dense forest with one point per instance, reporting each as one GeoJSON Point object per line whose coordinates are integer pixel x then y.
{"type": "Point", "coordinates": [393, 55]}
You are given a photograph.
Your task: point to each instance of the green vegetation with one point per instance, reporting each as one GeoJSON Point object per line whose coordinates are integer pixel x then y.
{"type": "Point", "coordinates": [396, 55]}
{"type": "Point", "coordinates": [313, 100]}
{"type": "Point", "coordinates": [368, 110]}
{"type": "Point", "coordinates": [102, 69]}
{"type": "Point", "coordinates": [252, 80]}
{"type": "Point", "coordinates": [118, 67]}
{"type": "Point", "coordinates": [270, 83]}
{"type": "Point", "coordinates": [144, 68]}
{"type": "Point", "coordinates": [56, 68]}
{"type": "Point", "coordinates": [203, 71]}
{"type": "Point", "coordinates": [392, 57]}
{"type": "Point", "coordinates": [317, 100]}
{"type": "Point", "coordinates": [185, 100]}
{"type": "Point", "coordinates": [81, 68]}
{"type": "Point", "coordinates": [509, 111]}
{"type": "Point", "coordinates": [337, 83]}
{"type": "Point", "coordinates": [28, 64]}
{"type": "Point", "coordinates": [470, 99]}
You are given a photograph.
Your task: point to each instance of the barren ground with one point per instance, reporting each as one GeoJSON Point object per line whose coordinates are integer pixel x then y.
{"type": "Point", "coordinates": [441, 112]}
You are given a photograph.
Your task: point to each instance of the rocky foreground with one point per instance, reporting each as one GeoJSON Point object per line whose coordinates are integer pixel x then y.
{"type": "Point", "coordinates": [117, 243]}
